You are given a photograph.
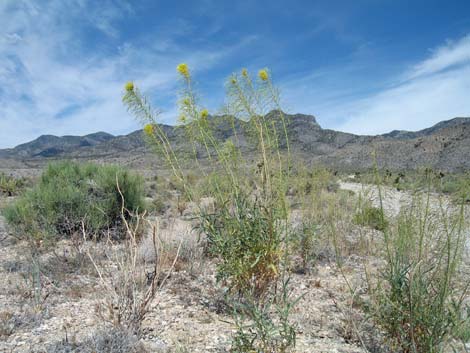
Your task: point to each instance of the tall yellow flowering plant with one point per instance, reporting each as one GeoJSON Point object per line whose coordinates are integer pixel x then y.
{"type": "Point", "coordinates": [248, 100]}
{"type": "Point", "coordinates": [249, 233]}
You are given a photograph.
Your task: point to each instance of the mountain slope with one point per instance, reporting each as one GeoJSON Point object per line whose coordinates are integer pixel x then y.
{"type": "Point", "coordinates": [51, 146]}
{"type": "Point", "coordinates": [444, 146]}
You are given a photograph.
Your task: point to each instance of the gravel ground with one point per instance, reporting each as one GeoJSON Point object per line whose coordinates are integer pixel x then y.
{"type": "Point", "coordinates": [188, 313]}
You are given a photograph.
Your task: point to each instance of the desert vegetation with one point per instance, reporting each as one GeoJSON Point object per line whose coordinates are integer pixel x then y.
{"type": "Point", "coordinates": [10, 185]}
{"type": "Point", "coordinates": [223, 251]}
{"type": "Point", "coordinates": [70, 197]}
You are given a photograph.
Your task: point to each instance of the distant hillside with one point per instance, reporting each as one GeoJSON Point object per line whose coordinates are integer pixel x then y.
{"type": "Point", "coordinates": [445, 146]}
{"type": "Point", "coordinates": [51, 146]}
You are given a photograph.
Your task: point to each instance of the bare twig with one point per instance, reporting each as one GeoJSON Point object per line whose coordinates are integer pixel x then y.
{"type": "Point", "coordinates": [127, 295]}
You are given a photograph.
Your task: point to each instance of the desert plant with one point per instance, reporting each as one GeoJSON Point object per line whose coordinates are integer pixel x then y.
{"type": "Point", "coordinates": [244, 237]}
{"type": "Point", "coordinates": [249, 101]}
{"type": "Point", "coordinates": [370, 216]}
{"type": "Point", "coordinates": [418, 299]}
{"type": "Point", "coordinates": [114, 341]}
{"type": "Point", "coordinates": [248, 234]}
{"type": "Point", "coordinates": [264, 326]}
{"type": "Point", "coordinates": [129, 285]}
{"type": "Point", "coordinates": [70, 195]}
{"type": "Point", "coordinates": [104, 340]}
{"type": "Point", "coordinates": [304, 243]}
{"type": "Point", "coordinates": [11, 186]}
{"type": "Point", "coordinates": [458, 187]}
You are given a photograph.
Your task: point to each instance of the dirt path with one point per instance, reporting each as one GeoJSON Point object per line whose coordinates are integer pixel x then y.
{"type": "Point", "coordinates": [392, 199]}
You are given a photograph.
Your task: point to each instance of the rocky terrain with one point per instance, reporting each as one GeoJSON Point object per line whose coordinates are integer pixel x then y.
{"type": "Point", "coordinates": [188, 314]}
{"type": "Point", "coordinates": [444, 147]}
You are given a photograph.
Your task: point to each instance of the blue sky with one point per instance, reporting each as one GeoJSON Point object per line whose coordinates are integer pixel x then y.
{"type": "Point", "coordinates": [363, 66]}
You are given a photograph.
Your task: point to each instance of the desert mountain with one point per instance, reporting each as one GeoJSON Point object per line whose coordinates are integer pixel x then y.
{"type": "Point", "coordinates": [51, 146]}
{"type": "Point", "coordinates": [444, 146]}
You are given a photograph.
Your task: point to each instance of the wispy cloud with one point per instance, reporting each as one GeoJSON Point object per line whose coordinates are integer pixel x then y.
{"type": "Point", "coordinates": [415, 105]}
{"type": "Point", "coordinates": [450, 55]}
{"type": "Point", "coordinates": [63, 63]}
{"type": "Point", "coordinates": [422, 94]}
{"type": "Point", "coordinates": [54, 81]}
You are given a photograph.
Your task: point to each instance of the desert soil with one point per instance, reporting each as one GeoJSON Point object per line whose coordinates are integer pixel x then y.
{"type": "Point", "coordinates": [189, 311]}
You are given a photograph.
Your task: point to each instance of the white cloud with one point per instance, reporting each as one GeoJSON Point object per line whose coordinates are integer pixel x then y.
{"type": "Point", "coordinates": [444, 57]}
{"type": "Point", "coordinates": [435, 89]}
{"type": "Point", "coordinates": [53, 83]}
{"type": "Point", "coordinates": [38, 82]}
{"type": "Point", "coordinates": [417, 104]}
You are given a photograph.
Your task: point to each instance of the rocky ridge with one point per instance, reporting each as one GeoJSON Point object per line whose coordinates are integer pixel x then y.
{"type": "Point", "coordinates": [444, 146]}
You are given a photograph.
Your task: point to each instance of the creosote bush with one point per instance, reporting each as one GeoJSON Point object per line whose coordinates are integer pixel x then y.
{"type": "Point", "coordinates": [70, 196]}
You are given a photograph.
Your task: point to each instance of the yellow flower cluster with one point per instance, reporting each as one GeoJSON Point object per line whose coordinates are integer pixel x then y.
{"type": "Point", "coordinates": [182, 119]}
{"type": "Point", "coordinates": [244, 72]}
{"type": "Point", "coordinates": [186, 102]}
{"type": "Point", "coordinates": [183, 70]}
{"type": "Point", "coordinates": [204, 113]}
{"type": "Point", "coordinates": [263, 75]}
{"type": "Point", "coordinates": [148, 129]}
{"type": "Point", "coordinates": [129, 86]}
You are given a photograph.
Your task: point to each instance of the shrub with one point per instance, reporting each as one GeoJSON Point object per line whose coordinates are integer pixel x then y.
{"type": "Point", "coordinates": [158, 205]}
{"type": "Point", "coordinates": [419, 299]}
{"type": "Point", "coordinates": [458, 187]}
{"type": "Point", "coordinates": [265, 326]}
{"type": "Point", "coordinates": [102, 341]}
{"type": "Point", "coordinates": [70, 195]}
{"type": "Point", "coordinates": [371, 217]}
{"type": "Point", "coordinates": [305, 244]}
{"type": "Point", "coordinates": [450, 186]}
{"type": "Point", "coordinates": [127, 287]}
{"type": "Point", "coordinates": [11, 186]}
{"type": "Point", "coordinates": [306, 181]}
{"type": "Point", "coordinates": [247, 242]}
